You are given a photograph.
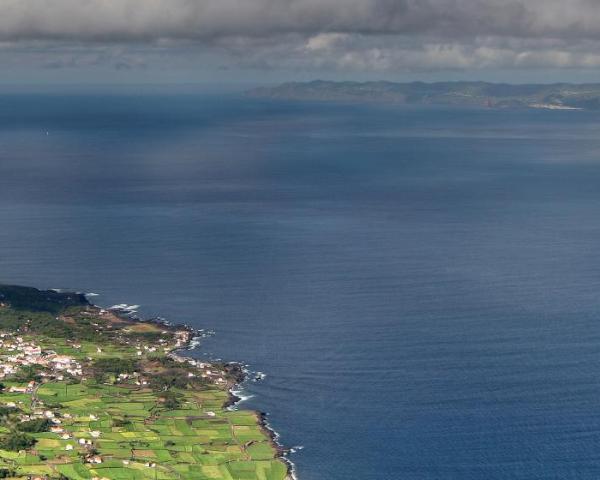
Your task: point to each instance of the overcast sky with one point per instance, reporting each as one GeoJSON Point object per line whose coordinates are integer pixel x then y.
{"type": "Point", "coordinates": [259, 41]}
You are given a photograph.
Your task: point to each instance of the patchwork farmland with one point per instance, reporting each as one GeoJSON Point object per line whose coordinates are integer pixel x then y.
{"type": "Point", "coordinates": [107, 399]}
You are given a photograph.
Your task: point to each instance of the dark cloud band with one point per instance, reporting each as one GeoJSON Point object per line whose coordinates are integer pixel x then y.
{"type": "Point", "coordinates": [384, 35]}
{"type": "Point", "coordinates": [153, 20]}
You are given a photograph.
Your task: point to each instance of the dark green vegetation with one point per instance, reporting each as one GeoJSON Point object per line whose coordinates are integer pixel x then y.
{"type": "Point", "coordinates": [35, 426]}
{"type": "Point", "coordinates": [115, 365]}
{"type": "Point", "coordinates": [15, 441]}
{"type": "Point", "coordinates": [444, 93]}
{"type": "Point", "coordinates": [92, 395]}
{"type": "Point", "coordinates": [32, 299]}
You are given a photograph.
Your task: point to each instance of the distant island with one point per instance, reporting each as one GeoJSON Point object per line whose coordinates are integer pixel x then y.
{"type": "Point", "coordinates": [560, 96]}
{"type": "Point", "coordinates": [91, 394]}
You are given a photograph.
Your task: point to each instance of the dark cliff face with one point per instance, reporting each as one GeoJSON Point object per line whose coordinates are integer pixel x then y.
{"type": "Point", "coordinates": [442, 93]}
{"type": "Point", "coordinates": [32, 299]}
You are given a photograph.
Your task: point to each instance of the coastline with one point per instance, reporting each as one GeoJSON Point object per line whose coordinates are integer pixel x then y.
{"type": "Point", "coordinates": [236, 371]}
{"type": "Point", "coordinates": [263, 422]}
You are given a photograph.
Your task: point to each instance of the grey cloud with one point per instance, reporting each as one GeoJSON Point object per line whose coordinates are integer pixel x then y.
{"type": "Point", "coordinates": [153, 20]}
{"type": "Point", "coordinates": [345, 52]}
{"type": "Point", "coordinates": [348, 35]}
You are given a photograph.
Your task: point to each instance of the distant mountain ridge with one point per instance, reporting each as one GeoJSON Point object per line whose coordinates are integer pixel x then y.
{"type": "Point", "coordinates": [496, 95]}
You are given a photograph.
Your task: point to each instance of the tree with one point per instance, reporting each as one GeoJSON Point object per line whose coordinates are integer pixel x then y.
{"type": "Point", "coordinates": [170, 400]}
{"type": "Point", "coordinates": [35, 426]}
{"type": "Point", "coordinates": [16, 441]}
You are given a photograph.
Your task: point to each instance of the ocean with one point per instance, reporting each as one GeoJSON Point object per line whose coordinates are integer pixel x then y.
{"type": "Point", "coordinates": [420, 286]}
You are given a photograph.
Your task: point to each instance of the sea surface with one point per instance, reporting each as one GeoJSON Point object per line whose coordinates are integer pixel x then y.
{"type": "Point", "coordinates": [421, 286]}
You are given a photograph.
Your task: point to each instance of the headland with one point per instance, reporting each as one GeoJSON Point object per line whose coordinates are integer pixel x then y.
{"type": "Point", "coordinates": [92, 394]}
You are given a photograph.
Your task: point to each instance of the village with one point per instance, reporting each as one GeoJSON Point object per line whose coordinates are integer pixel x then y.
{"type": "Point", "coordinates": [16, 352]}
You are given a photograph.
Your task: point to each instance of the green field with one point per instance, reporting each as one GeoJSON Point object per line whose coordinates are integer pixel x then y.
{"type": "Point", "coordinates": [135, 412]}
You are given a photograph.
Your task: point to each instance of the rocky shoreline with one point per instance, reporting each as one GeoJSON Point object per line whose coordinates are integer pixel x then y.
{"type": "Point", "coordinates": [236, 376]}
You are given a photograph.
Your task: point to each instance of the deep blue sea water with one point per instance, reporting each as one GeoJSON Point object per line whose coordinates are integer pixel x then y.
{"type": "Point", "coordinates": [421, 286]}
